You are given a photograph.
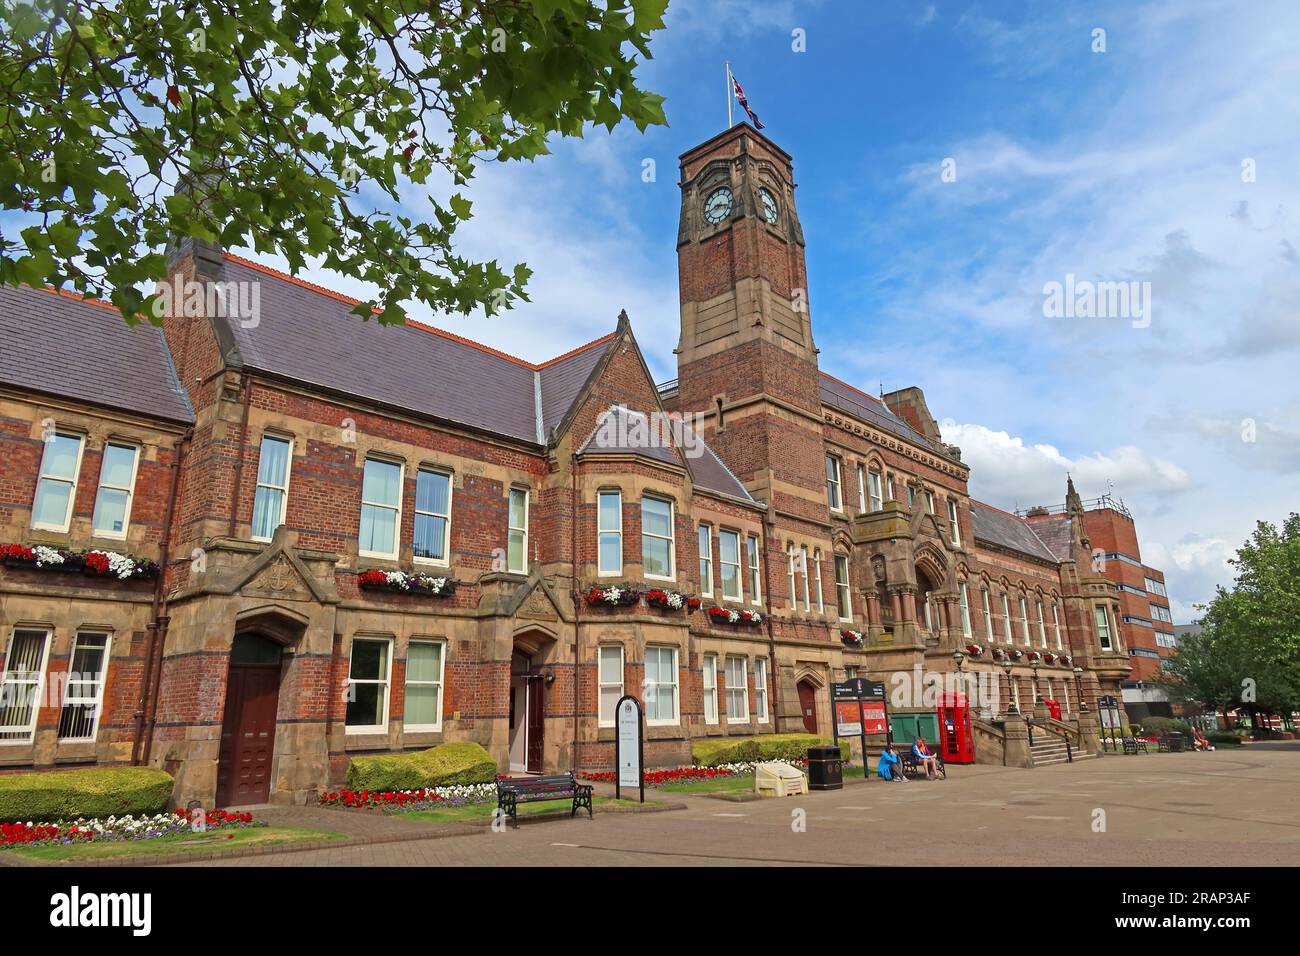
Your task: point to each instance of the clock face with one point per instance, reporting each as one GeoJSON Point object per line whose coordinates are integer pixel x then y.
{"type": "Point", "coordinates": [718, 206]}
{"type": "Point", "coordinates": [769, 205]}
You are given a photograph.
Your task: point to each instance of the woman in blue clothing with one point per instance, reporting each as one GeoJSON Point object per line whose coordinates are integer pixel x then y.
{"type": "Point", "coordinates": [925, 758]}
{"type": "Point", "coordinates": [888, 766]}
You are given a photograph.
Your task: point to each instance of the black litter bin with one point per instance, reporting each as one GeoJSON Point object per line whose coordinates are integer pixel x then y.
{"type": "Point", "coordinates": [825, 768]}
{"type": "Point", "coordinates": [1177, 743]}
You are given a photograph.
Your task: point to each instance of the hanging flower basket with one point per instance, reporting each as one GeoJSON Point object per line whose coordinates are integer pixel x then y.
{"type": "Point", "coordinates": [1067, 660]}
{"type": "Point", "coordinates": [975, 650]}
{"type": "Point", "coordinates": [1049, 658]}
{"type": "Point", "coordinates": [999, 654]}
{"type": "Point", "coordinates": [722, 615]}
{"type": "Point", "coordinates": [855, 638]}
{"type": "Point", "coordinates": [1016, 655]}
{"type": "Point", "coordinates": [96, 563]}
{"type": "Point", "coordinates": [612, 596]}
{"type": "Point", "coordinates": [671, 600]}
{"type": "Point", "coordinates": [400, 581]}
{"type": "Point", "coordinates": [1035, 657]}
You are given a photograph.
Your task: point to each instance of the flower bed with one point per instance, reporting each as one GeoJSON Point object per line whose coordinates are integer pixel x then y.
{"type": "Point", "coordinates": [400, 801]}
{"type": "Point", "coordinates": [375, 579]}
{"type": "Point", "coordinates": [124, 828]}
{"type": "Point", "coordinates": [612, 595]}
{"type": "Point", "coordinates": [94, 563]}
{"type": "Point", "coordinates": [659, 778]}
{"type": "Point", "coordinates": [722, 615]}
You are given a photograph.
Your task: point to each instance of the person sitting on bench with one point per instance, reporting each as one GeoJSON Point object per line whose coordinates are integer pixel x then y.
{"type": "Point", "coordinates": [889, 766]}
{"type": "Point", "coordinates": [1200, 741]}
{"type": "Point", "coordinates": [925, 759]}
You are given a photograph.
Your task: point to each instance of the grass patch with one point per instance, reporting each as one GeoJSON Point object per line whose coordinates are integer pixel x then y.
{"type": "Point", "coordinates": [473, 812]}
{"type": "Point", "coordinates": [176, 844]}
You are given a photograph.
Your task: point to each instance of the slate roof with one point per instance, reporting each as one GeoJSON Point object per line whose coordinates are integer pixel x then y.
{"type": "Point", "coordinates": [308, 334]}
{"type": "Point", "coordinates": [860, 405]}
{"type": "Point", "coordinates": [620, 430]}
{"type": "Point", "coordinates": [997, 527]}
{"type": "Point", "coordinates": [1055, 532]}
{"type": "Point", "coordinates": [60, 344]}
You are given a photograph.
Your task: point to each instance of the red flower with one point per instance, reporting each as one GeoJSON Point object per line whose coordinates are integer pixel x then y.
{"type": "Point", "coordinates": [97, 562]}
{"type": "Point", "coordinates": [372, 578]}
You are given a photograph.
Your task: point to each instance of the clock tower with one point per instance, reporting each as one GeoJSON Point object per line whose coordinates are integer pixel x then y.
{"type": "Point", "coordinates": [746, 357]}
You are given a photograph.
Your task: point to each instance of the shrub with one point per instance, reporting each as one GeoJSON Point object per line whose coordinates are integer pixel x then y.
{"type": "Point", "coordinates": [716, 751]}
{"type": "Point", "coordinates": [1164, 725]}
{"type": "Point", "coordinates": [69, 794]}
{"type": "Point", "coordinates": [1219, 737]}
{"type": "Point", "coordinates": [445, 766]}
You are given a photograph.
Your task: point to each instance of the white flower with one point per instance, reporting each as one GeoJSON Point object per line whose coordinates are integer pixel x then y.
{"type": "Point", "coordinates": [733, 616]}
{"type": "Point", "coordinates": [46, 556]}
{"type": "Point", "coordinates": [675, 600]}
{"type": "Point", "coordinates": [612, 595]}
{"type": "Point", "coordinates": [756, 617]}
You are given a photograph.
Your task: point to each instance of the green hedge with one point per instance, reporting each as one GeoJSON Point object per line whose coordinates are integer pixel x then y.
{"type": "Point", "coordinates": [712, 752]}
{"type": "Point", "coordinates": [445, 766]}
{"type": "Point", "coordinates": [69, 794]}
{"type": "Point", "coordinates": [1220, 738]}
{"type": "Point", "coordinates": [1164, 725]}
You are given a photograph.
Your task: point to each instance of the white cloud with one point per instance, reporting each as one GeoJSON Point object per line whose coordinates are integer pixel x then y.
{"type": "Point", "coordinates": [1011, 473]}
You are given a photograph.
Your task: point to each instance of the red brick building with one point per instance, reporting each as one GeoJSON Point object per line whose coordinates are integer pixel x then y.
{"type": "Point", "coordinates": [375, 539]}
{"type": "Point", "coordinates": [1146, 624]}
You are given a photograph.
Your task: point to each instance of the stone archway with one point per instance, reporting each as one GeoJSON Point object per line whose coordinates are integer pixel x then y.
{"type": "Point", "coordinates": [532, 676]}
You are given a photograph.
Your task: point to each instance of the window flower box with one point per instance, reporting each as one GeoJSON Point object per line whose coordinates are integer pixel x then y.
{"type": "Point", "coordinates": [722, 615]}
{"type": "Point", "coordinates": [1016, 655]}
{"type": "Point", "coordinates": [402, 582]}
{"type": "Point", "coordinates": [999, 654]}
{"type": "Point", "coordinates": [854, 638]}
{"type": "Point", "coordinates": [975, 650]}
{"type": "Point", "coordinates": [612, 596]}
{"type": "Point", "coordinates": [1066, 660]}
{"type": "Point", "coordinates": [95, 563]}
{"type": "Point", "coordinates": [1049, 658]}
{"type": "Point", "coordinates": [671, 600]}
{"type": "Point", "coordinates": [1035, 657]}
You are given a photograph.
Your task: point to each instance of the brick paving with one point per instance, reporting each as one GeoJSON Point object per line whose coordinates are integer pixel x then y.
{"type": "Point", "coordinates": [1232, 807]}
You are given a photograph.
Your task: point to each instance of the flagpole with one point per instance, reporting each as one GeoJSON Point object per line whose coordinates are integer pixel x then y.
{"type": "Point", "coordinates": [729, 121]}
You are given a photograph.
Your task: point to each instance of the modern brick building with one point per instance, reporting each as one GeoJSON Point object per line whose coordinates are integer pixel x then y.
{"type": "Point", "coordinates": [1145, 622]}
{"type": "Point", "coordinates": [374, 539]}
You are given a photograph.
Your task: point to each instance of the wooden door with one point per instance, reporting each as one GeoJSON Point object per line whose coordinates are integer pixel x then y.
{"type": "Point", "coordinates": [536, 712]}
{"type": "Point", "coordinates": [248, 734]}
{"type": "Point", "coordinates": [808, 706]}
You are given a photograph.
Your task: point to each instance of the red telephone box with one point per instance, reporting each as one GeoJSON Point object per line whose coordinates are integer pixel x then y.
{"type": "Point", "coordinates": [1053, 708]}
{"type": "Point", "coordinates": [955, 741]}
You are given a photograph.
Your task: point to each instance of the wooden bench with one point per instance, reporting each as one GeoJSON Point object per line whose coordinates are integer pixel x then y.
{"type": "Point", "coordinates": [512, 791]}
{"type": "Point", "coordinates": [1134, 745]}
{"type": "Point", "coordinates": [912, 767]}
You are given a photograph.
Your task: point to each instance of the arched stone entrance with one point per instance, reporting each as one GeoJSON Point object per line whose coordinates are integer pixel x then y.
{"type": "Point", "coordinates": [530, 680]}
{"type": "Point", "coordinates": [246, 753]}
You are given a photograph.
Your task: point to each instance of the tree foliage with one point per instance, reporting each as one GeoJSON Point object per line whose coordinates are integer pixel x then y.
{"type": "Point", "coordinates": [1248, 653]}
{"type": "Point", "coordinates": [299, 127]}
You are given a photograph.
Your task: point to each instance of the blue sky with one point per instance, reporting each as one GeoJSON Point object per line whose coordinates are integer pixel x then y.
{"type": "Point", "coordinates": [1118, 165]}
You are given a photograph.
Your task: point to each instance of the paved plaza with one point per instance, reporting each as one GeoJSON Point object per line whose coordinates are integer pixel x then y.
{"type": "Point", "coordinates": [1231, 807]}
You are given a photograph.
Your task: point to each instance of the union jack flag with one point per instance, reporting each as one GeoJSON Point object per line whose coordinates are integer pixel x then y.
{"type": "Point", "coordinates": [740, 96]}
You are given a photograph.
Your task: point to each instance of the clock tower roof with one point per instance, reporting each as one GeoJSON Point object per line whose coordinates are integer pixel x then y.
{"type": "Point", "coordinates": [735, 132]}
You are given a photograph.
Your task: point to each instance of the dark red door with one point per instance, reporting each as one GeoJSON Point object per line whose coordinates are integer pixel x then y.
{"type": "Point", "coordinates": [248, 734]}
{"type": "Point", "coordinates": [808, 706]}
{"type": "Point", "coordinates": [536, 711]}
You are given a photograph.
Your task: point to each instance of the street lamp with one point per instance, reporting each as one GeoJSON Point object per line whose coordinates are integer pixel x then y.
{"type": "Point", "coordinates": [1038, 699]}
{"type": "Point", "coordinates": [1078, 689]}
{"type": "Point", "coordinates": [1011, 697]}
